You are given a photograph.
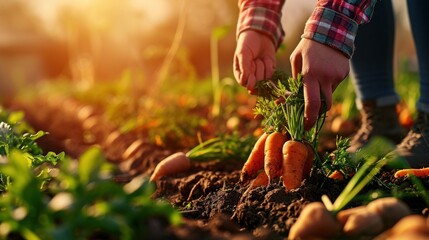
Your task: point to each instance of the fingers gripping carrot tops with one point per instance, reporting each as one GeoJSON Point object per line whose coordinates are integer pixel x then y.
{"type": "Point", "coordinates": [273, 159]}
{"type": "Point", "coordinates": [171, 165]}
{"type": "Point", "coordinates": [282, 110]}
{"type": "Point", "coordinates": [294, 158]}
{"type": "Point", "coordinates": [255, 162]}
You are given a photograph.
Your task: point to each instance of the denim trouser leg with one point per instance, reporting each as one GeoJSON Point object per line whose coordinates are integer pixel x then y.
{"type": "Point", "coordinates": [417, 11]}
{"type": "Point", "coordinates": [372, 62]}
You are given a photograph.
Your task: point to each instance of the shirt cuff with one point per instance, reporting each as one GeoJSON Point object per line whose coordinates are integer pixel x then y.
{"type": "Point", "coordinates": [263, 20]}
{"type": "Point", "coordinates": [332, 28]}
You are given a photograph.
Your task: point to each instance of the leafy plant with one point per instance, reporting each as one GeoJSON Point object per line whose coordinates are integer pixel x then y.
{"type": "Point", "coordinates": [223, 147]}
{"type": "Point", "coordinates": [15, 134]}
{"type": "Point", "coordinates": [78, 203]}
{"type": "Point", "coordinates": [281, 104]}
{"type": "Point", "coordinates": [340, 160]}
{"type": "Point", "coordinates": [54, 197]}
{"type": "Point", "coordinates": [368, 162]}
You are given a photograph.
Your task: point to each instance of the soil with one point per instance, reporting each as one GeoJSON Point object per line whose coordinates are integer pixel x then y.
{"type": "Point", "coordinates": [209, 195]}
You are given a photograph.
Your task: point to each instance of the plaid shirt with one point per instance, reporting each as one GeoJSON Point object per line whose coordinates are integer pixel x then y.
{"type": "Point", "coordinates": [333, 22]}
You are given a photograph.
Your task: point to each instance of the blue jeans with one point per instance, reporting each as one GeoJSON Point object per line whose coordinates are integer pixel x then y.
{"type": "Point", "coordinates": [372, 62]}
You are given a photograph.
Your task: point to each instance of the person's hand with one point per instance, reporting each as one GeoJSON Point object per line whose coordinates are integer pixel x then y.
{"type": "Point", "coordinates": [322, 68]}
{"type": "Point", "coordinates": [254, 59]}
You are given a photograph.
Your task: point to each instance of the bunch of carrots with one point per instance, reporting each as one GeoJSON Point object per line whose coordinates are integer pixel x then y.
{"type": "Point", "coordinates": [284, 149]}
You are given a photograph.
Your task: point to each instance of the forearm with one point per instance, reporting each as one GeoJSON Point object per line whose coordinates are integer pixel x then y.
{"type": "Point", "coordinates": [335, 22]}
{"type": "Point", "coordinates": [263, 16]}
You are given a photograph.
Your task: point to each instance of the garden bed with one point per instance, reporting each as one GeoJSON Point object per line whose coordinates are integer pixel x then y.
{"type": "Point", "coordinates": [209, 196]}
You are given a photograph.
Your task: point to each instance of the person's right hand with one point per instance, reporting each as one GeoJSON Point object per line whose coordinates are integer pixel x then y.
{"type": "Point", "coordinates": [254, 59]}
{"type": "Point", "coordinates": [322, 68]}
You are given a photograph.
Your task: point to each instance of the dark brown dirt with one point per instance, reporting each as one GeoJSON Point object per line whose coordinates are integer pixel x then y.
{"type": "Point", "coordinates": [209, 195]}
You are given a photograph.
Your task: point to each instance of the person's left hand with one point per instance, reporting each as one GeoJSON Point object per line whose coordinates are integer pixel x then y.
{"type": "Point", "coordinates": [322, 68]}
{"type": "Point", "coordinates": [254, 59]}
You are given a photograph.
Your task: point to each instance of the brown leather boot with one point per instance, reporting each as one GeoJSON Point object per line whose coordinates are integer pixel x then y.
{"type": "Point", "coordinates": [415, 146]}
{"type": "Point", "coordinates": [377, 121]}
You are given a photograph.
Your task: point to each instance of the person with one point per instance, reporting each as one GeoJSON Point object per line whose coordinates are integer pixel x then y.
{"type": "Point", "coordinates": [323, 58]}
{"type": "Point", "coordinates": [372, 71]}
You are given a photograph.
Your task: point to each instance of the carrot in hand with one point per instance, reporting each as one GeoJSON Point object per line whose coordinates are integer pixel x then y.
{"type": "Point", "coordinates": [418, 172]}
{"type": "Point", "coordinates": [255, 162]}
{"type": "Point", "coordinates": [273, 155]}
{"type": "Point", "coordinates": [294, 158]}
{"type": "Point", "coordinates": [309, 162]}
{"type": "Point", "coordinates": [170, 165]}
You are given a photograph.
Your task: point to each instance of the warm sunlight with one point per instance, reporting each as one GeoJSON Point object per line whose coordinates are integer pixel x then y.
{"type": "Point", "coordinates": [180, 119]}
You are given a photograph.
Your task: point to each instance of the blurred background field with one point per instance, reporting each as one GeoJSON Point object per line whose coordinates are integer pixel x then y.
{"type": "Point", "coordinates": [100, 39]}
{"type": "Point", "coordinates": [139, 60]}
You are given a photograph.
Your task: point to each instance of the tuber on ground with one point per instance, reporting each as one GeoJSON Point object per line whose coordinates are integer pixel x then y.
{"type": "Point", "coordinates": [315, 222]}
{"type": "Point", "coordinates": [418, 172]}
{"type": "Point", "coordinates": [173, 164]}
{"type": "Point", "coordinates": [373, 218]}
{"type": "Point", "coordinates": [413, 227]}
{"type": "Point", "coordinates": [361, 222]}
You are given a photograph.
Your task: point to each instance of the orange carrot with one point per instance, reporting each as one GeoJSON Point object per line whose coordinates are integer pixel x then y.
{"type": "Point", "coordinates": [255, 161]}
{"type": "Point", "coordinates": [309, 162]}
{"type": "Point", "coordinates": [273, 155]}
{"type": "Point", "coordinates": [260, 180]}
{"type": "Point", "coordinates": [170, 165]}
{"type": "Point", "coordinates": [337, 175]}
{"type": "Point", "coordinates": [418, 172]}
{"type": "Point", "coordinates": [294, 157]}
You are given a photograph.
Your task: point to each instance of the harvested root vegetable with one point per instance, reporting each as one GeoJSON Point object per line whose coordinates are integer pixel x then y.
{"type": "Point", "coordinates": [337, 175]}
{"type": "Point", "coordinates": [273, 159]}
{"type": "Point", "coordinates": [294, 158]}
{"type": "Point", "coordinates": [255, 162]}
{"type": "Point", "coordinates": [373, 218]}
{"type": "Point", "coordinates": [418, 172]}
{"type": "Point", "coordinates": [315, 222]}
{"type": "Point", "coordinates": [410, 227]}
{"type": "Point", "coordinates": [260, 180]}
{"type": "Point", "coordinates": [309, 162]}
{"type": "Point", "coordinates": [390, 209]}
{"type": "Point", "coordinates": [363, 222]}
{"type": "Point", "coordinates": [412, 223]}
{"type": "Point", "coordinates": [173, 164]}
